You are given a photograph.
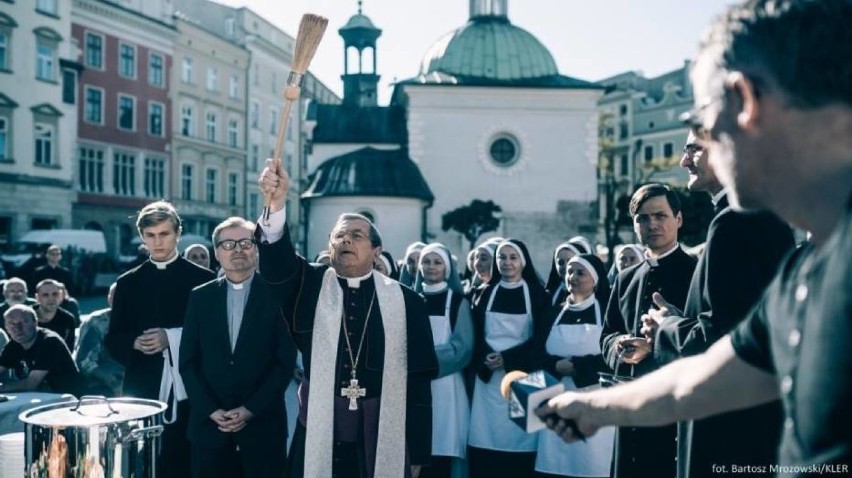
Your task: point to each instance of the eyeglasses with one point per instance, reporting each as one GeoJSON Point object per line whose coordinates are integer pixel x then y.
{"type": "Point", "coordinates": [694, 118]}
{"type": "Point", "coordinates": [231, 244]}
{"type": "Point", "coordinates": [354, 236]}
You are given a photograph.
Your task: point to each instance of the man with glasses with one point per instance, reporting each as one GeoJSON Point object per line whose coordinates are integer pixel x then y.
{"type": "Point", "coordinates": [741, 255]}
{"type": "Point", "coordinates": [779, 139]}
{"type": "Point", "coordinates": [147, 320]}
{"type": "Point", "coordinates": [366, 343]}
{"type": "Point", "coordinates": [236, 363]}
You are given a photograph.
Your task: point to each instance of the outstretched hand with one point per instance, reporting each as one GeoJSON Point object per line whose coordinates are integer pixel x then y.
{"type": "Point", "coordinates": [274, 183]}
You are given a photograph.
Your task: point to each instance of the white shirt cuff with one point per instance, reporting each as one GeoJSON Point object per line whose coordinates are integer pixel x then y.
{"type": "Point", "coordinates": [275, 230]}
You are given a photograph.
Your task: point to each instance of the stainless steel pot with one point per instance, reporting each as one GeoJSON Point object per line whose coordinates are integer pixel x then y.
{"type": "Point", "coordinates": [94, 437]}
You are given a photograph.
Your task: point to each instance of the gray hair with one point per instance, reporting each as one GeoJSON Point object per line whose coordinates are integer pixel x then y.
{"type": "Point", "coordinates": [233, 221]}
{"type": "Point", "coordinates": [15, 280]}
{"type": "Point", "coordinates": [21, 308]}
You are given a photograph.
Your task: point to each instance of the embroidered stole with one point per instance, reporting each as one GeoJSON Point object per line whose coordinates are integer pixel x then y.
{"type": "Point", "coordinates": [319, 440]}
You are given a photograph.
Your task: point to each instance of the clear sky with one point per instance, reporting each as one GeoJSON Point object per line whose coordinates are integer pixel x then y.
{"type": "Point", "coordinates": [589, 39]}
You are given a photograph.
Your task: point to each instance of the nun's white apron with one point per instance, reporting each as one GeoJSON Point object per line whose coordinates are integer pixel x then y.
{"type": "Point", "coordinates": [490, 426]}
{"type": "Point", "coordinates": [450, 407]}
{"type": "Point", "coordinates": [592, 457]}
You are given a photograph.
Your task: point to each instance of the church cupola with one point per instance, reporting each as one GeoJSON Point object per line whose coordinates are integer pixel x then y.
{"type": "Point", "coordinates": [360, 86]}
{"type": "Point", "coordinates": [489, 8]}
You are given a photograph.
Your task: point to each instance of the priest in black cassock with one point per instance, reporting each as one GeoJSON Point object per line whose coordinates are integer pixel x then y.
{"type": "Point", "coordinates": [741, 255]}
{"type": "Point", "coordinates": [147, 320]}
{"type": "Point", "coordinates": [667, 269]}
{"type": "Point", "coordinates": [367, 349]}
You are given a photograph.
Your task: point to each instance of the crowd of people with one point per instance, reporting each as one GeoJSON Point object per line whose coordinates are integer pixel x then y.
{"type": "Point", "coordinates": [732, 361]}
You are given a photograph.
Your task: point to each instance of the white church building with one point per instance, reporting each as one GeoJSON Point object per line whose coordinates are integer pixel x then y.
{"type": "Point", "coordinates": [488, 117]}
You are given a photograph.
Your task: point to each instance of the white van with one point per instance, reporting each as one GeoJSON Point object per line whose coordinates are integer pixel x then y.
{"type": "Point", "coordinates": [92, 242]}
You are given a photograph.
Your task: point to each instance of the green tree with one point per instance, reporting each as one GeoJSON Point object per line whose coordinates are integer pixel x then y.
{"type": "Point", "coordinates": [473, 220]}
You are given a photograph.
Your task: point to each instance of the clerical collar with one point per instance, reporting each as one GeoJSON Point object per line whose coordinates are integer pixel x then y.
{"type": "Point", "coordinates": [164, 264]}
{"type": "Point", "coordinates": [355, 282]}
{"type": "Point", "coordinates": [583, 305]}
{"type": "Point", "coordinates": [718, 196]}
{"type": "Point", "coordinates": [240, 285]}
{"type": "Point", "coordinates": [433, 288]}
{"type": "Point", "coordinates": [511, 285]}
{"type": "Point", "coordinates": [655, 261]}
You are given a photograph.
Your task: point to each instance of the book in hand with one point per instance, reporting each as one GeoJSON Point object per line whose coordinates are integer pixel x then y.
{"type": "Point", "coordinates": [525, 392]}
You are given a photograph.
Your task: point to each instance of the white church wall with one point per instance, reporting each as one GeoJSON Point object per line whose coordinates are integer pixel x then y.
{"type": "Point", "coordinates": [451, 130]}
{"type": "Point", "coordinates": [398, 219]}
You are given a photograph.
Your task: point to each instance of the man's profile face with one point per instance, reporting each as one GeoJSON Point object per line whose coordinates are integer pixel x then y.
{"type": "Point", "coordinates": [20, 325]}
{"type": "Point", "coordinates": [161, 240]}
{"type": "Point", "coordinates": [695, 161]}
{"type": "Point", "coordinates": [350, 247]}
{"type": "Point", "coordinates": [656, 224]}
{"type": "Point", "coordinates": [15, 293]}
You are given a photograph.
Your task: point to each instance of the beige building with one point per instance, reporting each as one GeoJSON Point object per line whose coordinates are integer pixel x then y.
{"type": "Point", "coordinates": [209, 95]}
{"type": "Point", "coordinates": [38, 116]}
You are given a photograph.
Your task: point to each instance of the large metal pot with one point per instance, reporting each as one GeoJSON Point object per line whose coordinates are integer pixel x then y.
{"type": "Point", "coordinates": [94, 437]}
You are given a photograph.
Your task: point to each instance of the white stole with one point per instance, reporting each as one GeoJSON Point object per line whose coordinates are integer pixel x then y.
{"type": "Point", "coordinates": [171, 380]}
{"type": "Point", "coordinates": [319, 440]}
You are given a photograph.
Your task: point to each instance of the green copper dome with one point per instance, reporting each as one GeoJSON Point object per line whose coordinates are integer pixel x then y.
{"type": "Point", "coordinates": [489, 48]}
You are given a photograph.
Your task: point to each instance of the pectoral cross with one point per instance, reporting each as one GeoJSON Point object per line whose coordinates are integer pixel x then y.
{"type": "Point", "coordinates": [353, 392]}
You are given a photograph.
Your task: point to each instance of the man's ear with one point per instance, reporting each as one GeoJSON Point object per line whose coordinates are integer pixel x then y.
{"type": "Point", "coordinates": [748, 114]}
{"type": "Point", "coordinates": [679, 219]}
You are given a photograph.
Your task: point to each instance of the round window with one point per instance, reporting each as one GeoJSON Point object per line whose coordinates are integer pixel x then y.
{"type": "Point", "coordinates": [504, 151]}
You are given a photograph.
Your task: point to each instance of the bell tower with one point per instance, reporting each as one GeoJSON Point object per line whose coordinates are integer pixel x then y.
{"type": "Point", "coordinates": [360, 82]}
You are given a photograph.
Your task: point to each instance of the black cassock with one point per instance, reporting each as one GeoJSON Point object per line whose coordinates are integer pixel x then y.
{"type": "Point", "coordinates": [647, 451]}
{"type": "Point", "coordinates": [147, 297]}
{"type": "Point", "coordinates": [298, 284]}
{"type": "Point", "coordinates": [741, 256]}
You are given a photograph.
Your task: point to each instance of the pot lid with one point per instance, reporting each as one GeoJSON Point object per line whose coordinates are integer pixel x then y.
{"type": "Point", "coordinates": [92, 411]}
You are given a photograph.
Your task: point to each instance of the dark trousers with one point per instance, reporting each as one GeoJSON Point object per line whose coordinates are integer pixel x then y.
{"type": "Point", "coordinates": [490, 463]}
{"type": "Point", "coordinates": [173, 461]}
{"type": "Point", "coordinates": [439, 467]}
{"type": "Point", "coordinates": [231, 461]}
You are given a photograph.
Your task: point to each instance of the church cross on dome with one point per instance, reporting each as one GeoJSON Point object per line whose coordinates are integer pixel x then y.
{"type": "Point", "coordinates": [489, 8]}
{"type": "Point", "coordinates": [360, 4]}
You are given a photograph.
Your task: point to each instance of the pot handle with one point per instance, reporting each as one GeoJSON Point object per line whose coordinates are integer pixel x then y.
{"type": "Point", "coordinates": [96, 398]}
{"type": "Point", "coordinates": [142, 433]}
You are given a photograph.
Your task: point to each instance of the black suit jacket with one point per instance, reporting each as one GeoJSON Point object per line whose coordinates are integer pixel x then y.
{"type": "Point", "coordinates": [741, 256]}
{"type": "Point", "coordinates": [297, 286]}
{"type": "Point", "coordinates": [254, 375]}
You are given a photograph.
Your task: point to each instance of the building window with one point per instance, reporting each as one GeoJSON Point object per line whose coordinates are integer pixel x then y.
{"type": "Point", "coordinates": [625, 165]}
{"type": "Point", "coordinates": [504, 151]}
{"type": "Point", "coordinates": [127, 60]}
{"type": "Point", "coordinates": [668, 150]}
{"type": "Point", "coordinates": [233, 85]}
{"type": "Point", "coordinates": [155, 119]}
{"type": "Point", "coordinates": [45, 59]}
{"type": "Point", "coordinates": [622, 110]}
{"type": "Point", "coordinates": [211, 127]}
{"type": "Point", "coordinates": [186, 173]}
{"type": "Point", "coordinates": [254, 114]}
{"type": "Point", "coordinates": [155, 177]}
{"type": "Point", "coordinates": [210, 186]}
{"type": "Point", "coordinates": [124, 174]}
{"type": "Point", "coordinates": [91, 170]}
{"type": "Point", "coordinates": [69, 86]}
{"type": "Point", "coordinates": [45, 135]}
{"type": "Point", "coordinates": [233, 179]}
{"type": "Point", "coordinates": [253, 202]}
{"type": "Point", "coordinates": [229, 27]}
{"type": "Point", "coordinates": [4, 50]}
{"type": "Point", "coordinates": [273, 120]}
{"type": "Point", "coordinates": [155, 70]}
{"type": "Point", "coordinates": [186, 70]}
{"type": "Point", "coordinates": [622, 130]}
{"type": "Point", "coordinates": [46, 6]}
{"type": "Point", "coordinates": [211, 79]}
{"type": "Point", "coordinates": [126, 116]}
{"type": "Point", "coordinates": [649, 153]}
{"type": "Point", "coordinates": [4, 138]}
{"type": "Point", "coordinates": [233, 127]}
{"type": "Point", "coordinates": [93, 110]}
{"type": "Point", "coordinates": [94, 51]}
{"type": "Point", "coordinates": [186, 120]}
{"type": "Point", "coordinates": [255, 157]}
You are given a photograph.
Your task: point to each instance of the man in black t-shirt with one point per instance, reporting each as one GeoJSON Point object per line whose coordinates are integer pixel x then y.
{"type": "Point", "coordinates": [50, 315]}
{"type": "Point", "coordinates": [38, 358]}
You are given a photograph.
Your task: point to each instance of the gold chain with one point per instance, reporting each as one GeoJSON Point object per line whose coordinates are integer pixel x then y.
{"type": "Point", "coordinates": [354, 361]}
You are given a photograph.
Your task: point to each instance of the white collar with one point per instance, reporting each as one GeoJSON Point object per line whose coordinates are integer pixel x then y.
{"type": "Point", "coordinates": [164, 264]}
{"type": "Point", "coordinates": [239, 285]}
{"type": "Point", "coordinates": [718, 196]}
{"type": "Point", "coordinates": [434, 288]}
{"type": "Point", "coordinates": [654, 261]}
{"type": "Point", "coordinates": [511, 285]}
{"type": "Point", "coordinates": [580, 305]}
{"type": "Point", "coordinates": [355, 282]}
